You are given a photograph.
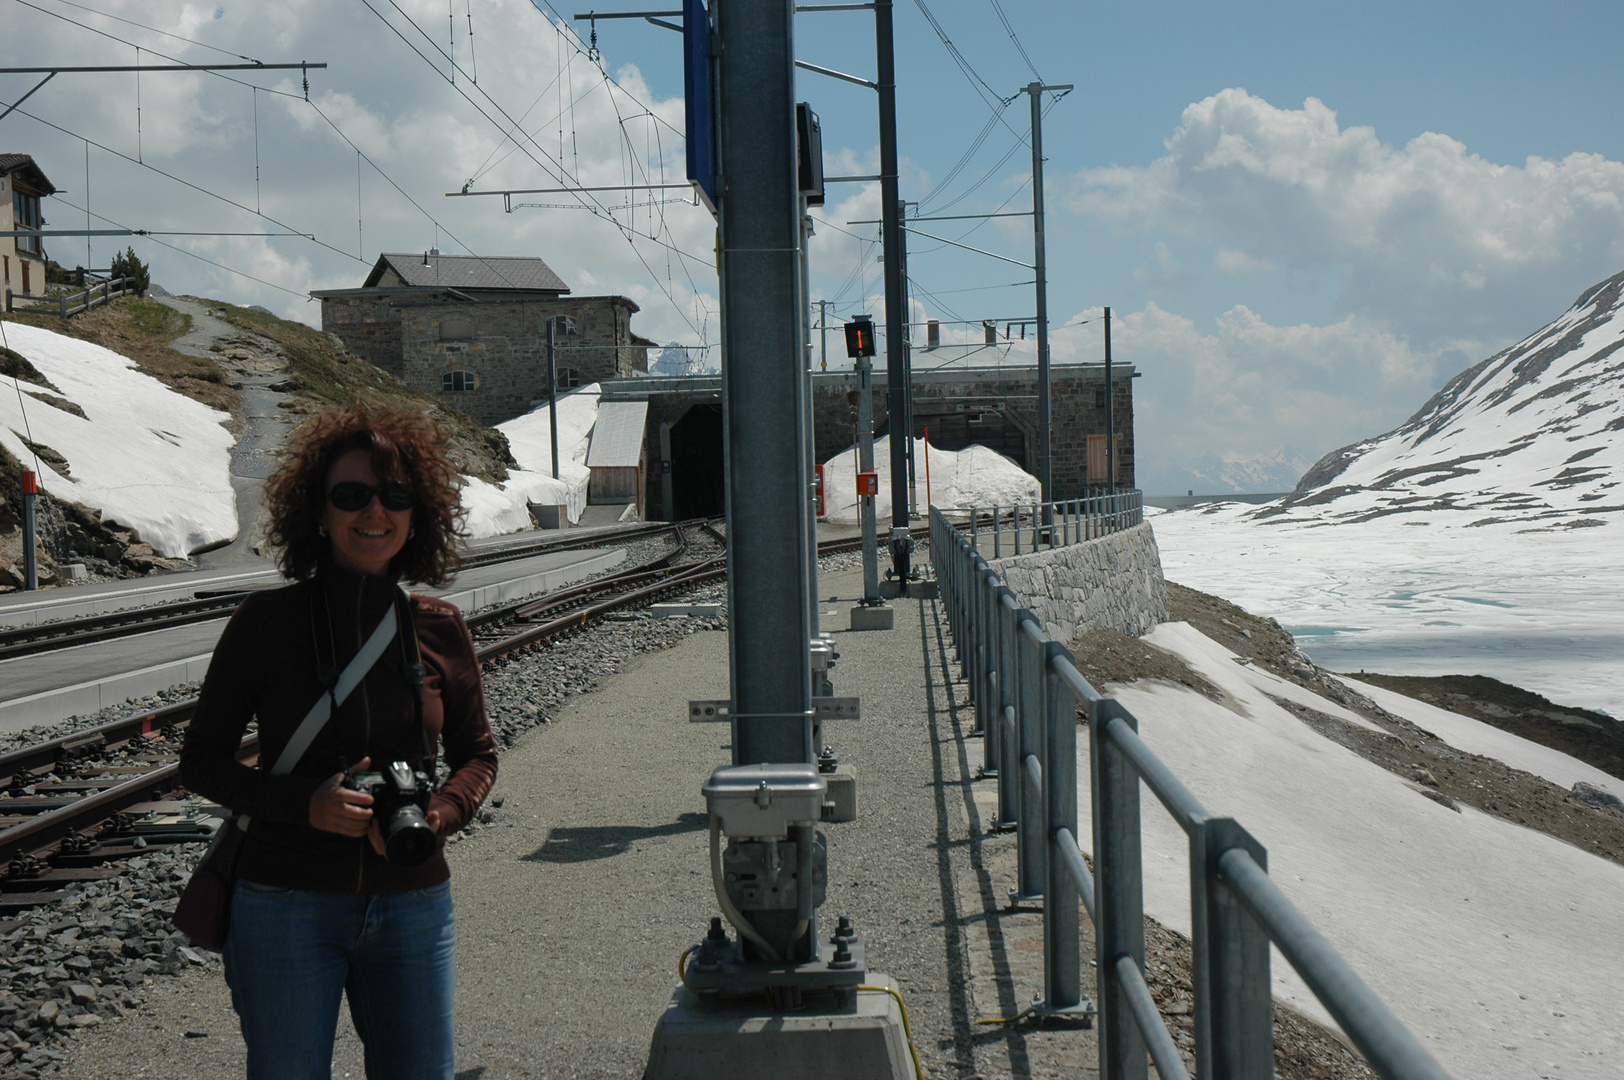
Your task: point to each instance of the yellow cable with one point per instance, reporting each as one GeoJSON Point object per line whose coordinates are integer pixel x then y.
{"type": "Point", "coordinates": [907, 1030]}
{"type": "Point", "coordinates": [682, 966]}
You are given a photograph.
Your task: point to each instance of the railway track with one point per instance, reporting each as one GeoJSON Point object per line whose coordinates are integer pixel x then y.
{"type": "Point", "coordinates": [70, 806]}
{"type": "Point", "coordinates": [207, 606]}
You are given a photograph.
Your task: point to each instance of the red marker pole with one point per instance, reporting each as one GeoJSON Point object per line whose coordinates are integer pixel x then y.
{"type": "Point", "coordinates": [30, 559]}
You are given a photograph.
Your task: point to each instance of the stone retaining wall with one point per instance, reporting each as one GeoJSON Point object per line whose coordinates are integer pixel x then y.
{"type": "Point", "coordinates": [1114, 582]}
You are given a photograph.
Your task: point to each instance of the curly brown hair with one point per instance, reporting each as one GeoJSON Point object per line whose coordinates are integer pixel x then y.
{"type": "Point", "coordinates": [406, 448]}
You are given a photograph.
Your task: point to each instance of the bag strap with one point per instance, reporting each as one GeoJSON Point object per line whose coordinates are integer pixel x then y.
{"type": "Point", "coordinates": [317, 717]}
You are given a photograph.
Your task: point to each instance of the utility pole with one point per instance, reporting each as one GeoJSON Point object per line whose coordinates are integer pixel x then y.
{"type": "Point", "coordinates": [907, 361]}
{"type": "Point", "coordinates": [896, 317]}
{"type": "Point", "coordinates": [1110, 413]}
{"type": "Point", "coordinates": [1041, 273]}
{"type": "Point", "coordinates": [865, 463]}
{"type": "Point", "coordinates": [552, 387]}
{"type": "Point", "coordinates": [810, 441]}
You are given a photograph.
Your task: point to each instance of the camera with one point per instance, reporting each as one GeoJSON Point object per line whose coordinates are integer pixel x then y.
{"type": "Point", "coordinates": [400, 795]}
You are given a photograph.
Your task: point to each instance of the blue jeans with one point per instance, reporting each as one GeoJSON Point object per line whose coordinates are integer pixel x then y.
{"type": "Point", "coordinates": [291, 954]}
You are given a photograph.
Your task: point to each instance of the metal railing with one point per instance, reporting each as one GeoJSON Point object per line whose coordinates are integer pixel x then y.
{"type": "Point", "coordinates": [1026, 690]}
{"type": "Point", "coordinates": [1021, 529]}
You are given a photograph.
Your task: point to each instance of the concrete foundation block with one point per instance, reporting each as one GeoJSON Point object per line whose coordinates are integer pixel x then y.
{"type": "Point", "coordinates": [863, 1040]}
{"type": "Point", "coordinates": [928, 589]}
{"type": "Point", "coordinates": [873, 618]}
{"type": "Point", "coordinates": [696, 611]}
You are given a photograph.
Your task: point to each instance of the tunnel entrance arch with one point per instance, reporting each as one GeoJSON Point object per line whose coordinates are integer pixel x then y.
{"type": "Point", "coordinates": [697, 478]}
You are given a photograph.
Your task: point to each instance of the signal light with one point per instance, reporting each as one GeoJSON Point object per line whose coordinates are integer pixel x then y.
{"type": "Point", "coordinates": [860, 337]}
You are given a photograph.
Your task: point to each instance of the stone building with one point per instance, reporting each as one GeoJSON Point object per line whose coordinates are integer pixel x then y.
{"type": "Point", "coordinates": [472, 330]}
{"type": "Point", "coordinates": [993, 407]}
{"type": "Point", "coordinates": [22, 258]}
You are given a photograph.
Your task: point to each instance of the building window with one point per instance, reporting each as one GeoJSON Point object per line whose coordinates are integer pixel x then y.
{"type": "Point", "coordinates": [568, 378]}
{"type": "Point", "coordinates": [458, 382]}
{"type": "Point", "coordinates": [26, 215]}
{"type": "Point", "coordinates": [1099, 399]}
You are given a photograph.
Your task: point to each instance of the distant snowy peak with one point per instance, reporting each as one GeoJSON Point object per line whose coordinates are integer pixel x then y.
{"type": "Point", "coordinates": [1212, 474]}
{"type": "Point", "coordinates": [1534, 433]}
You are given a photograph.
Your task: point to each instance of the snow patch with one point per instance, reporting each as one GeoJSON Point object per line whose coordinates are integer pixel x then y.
{"type": "Point", "coordinates": [495, 509]}
{"type": "Point", "coordinates": [974, 476]}
{"type": "Point", "coordinates": [1497, 945]}
{"type": "Point", "coordinates": [144, 455]}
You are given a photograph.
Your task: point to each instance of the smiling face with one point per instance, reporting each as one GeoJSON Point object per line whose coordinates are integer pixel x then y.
{"type": "Point", "coordinates": [363, 540]}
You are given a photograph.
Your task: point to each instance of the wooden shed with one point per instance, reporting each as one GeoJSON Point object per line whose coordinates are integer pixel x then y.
{"type": "Point", "coordinates": [616, 456]}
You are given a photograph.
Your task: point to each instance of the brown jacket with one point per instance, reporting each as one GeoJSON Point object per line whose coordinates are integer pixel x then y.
{"type": "Point", "coordinates": [265, 668]}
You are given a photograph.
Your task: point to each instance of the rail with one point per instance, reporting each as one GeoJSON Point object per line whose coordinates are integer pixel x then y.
{"type": "Point", "coordinates": [1024, 528]}
{"type": "Point", "coordinates": [73, 303]}
{"type": "Point", "coordinates": [1026, 691]}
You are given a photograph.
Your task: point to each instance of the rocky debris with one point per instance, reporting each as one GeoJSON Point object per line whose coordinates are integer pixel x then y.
{"type": "Point", "coordinates": [1591, 795]}
{"type": "Point", "coordinates": [90, 958]}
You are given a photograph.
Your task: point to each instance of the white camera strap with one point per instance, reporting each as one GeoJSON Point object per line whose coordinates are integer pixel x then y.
{"type": "Point", "coordinates": [322, 710]}
{"type": "Point", "coordinates": [317, 717]}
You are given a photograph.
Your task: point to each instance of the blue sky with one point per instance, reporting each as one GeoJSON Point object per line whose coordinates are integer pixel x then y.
{"type": "Point", "coordinates": [1306, 217]}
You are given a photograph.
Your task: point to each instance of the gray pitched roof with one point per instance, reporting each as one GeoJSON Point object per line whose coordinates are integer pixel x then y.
{"type": "Point", "coordinates": [508, 273]}
{"type": "Point", "coordinates": [617, 437]}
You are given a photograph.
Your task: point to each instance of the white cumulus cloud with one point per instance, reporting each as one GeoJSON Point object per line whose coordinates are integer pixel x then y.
{"type": "Point", "coordinates": [1428, 238]}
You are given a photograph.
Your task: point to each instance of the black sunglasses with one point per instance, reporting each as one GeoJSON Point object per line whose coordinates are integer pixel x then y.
{"type": "Point", "coordinates": [352, 495]}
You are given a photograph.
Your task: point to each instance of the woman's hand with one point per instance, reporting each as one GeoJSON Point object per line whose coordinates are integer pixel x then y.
{"type": "Point", "coordinates": [337, 809]}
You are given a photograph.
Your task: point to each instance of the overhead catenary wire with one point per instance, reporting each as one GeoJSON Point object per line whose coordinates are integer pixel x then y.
{"type": "Point", "coordinates": [150, 29]}
{"type": "Point", "coordinates": [552, 168]}
{"type": "Point", "coordinates": [1010, 30]}
{"type": "Point", "coordinates": [186, 183]}
{"type": "Point", "coordinates": [257, 89]}
{"type": "Point", "coordinates": [153, 236]}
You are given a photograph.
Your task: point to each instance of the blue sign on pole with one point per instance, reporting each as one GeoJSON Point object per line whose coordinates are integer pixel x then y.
{"type": "Point", "coordinates": [699, 108]}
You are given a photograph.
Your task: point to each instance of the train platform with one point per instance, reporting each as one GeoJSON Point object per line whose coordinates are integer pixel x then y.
{"type": "Point", "coordinates": [574, 906]}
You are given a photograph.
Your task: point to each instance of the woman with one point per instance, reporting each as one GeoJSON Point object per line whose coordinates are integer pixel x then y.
{"type": "Point", "coordinates": [364, 498]}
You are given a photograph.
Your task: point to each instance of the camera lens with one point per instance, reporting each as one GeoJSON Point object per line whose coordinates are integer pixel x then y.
{"type": "Point", "coordinates": [407, 838]}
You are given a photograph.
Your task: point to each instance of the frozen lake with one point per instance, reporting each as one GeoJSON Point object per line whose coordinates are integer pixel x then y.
{"type": "Point", "coordinates": [1540, 610]}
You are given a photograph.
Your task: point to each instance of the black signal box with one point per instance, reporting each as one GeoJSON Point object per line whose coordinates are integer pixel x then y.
{"type": "Point", "coordinates": [860, 337]}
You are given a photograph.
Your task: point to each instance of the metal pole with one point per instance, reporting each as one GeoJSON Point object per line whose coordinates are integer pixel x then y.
{"type": "Point", "coordinates": [1062, 956]}
{"type": "Point", "coordinates": [30, 558]}
{"type": "Point", "coordinates": [907, 363]}
{"type": "Point", "coordinates": [865, 463]}
{"type": "Point", "coordinates": [823, 327]}
{"type": "Point", "coordinates": [895, 315]}
{"type": "Point", "coordinates": [552, 387]}
{"type": "Point", "coordinates": [1119, 913]}
{"type": "Point", "coordinates": [763, 414]}
{"type": "Point", "coordinates": [811, 534]}
{"type": "Point", "coordinates": [1110, 412]}
{"type": "Point", "coordinates": [1041, 273]}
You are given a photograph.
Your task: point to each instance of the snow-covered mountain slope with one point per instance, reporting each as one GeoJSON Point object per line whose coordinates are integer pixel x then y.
{"type": "Point", "coordinates": [1533, 434]}
{"type": "Point", "coordinates": [126, 444]}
